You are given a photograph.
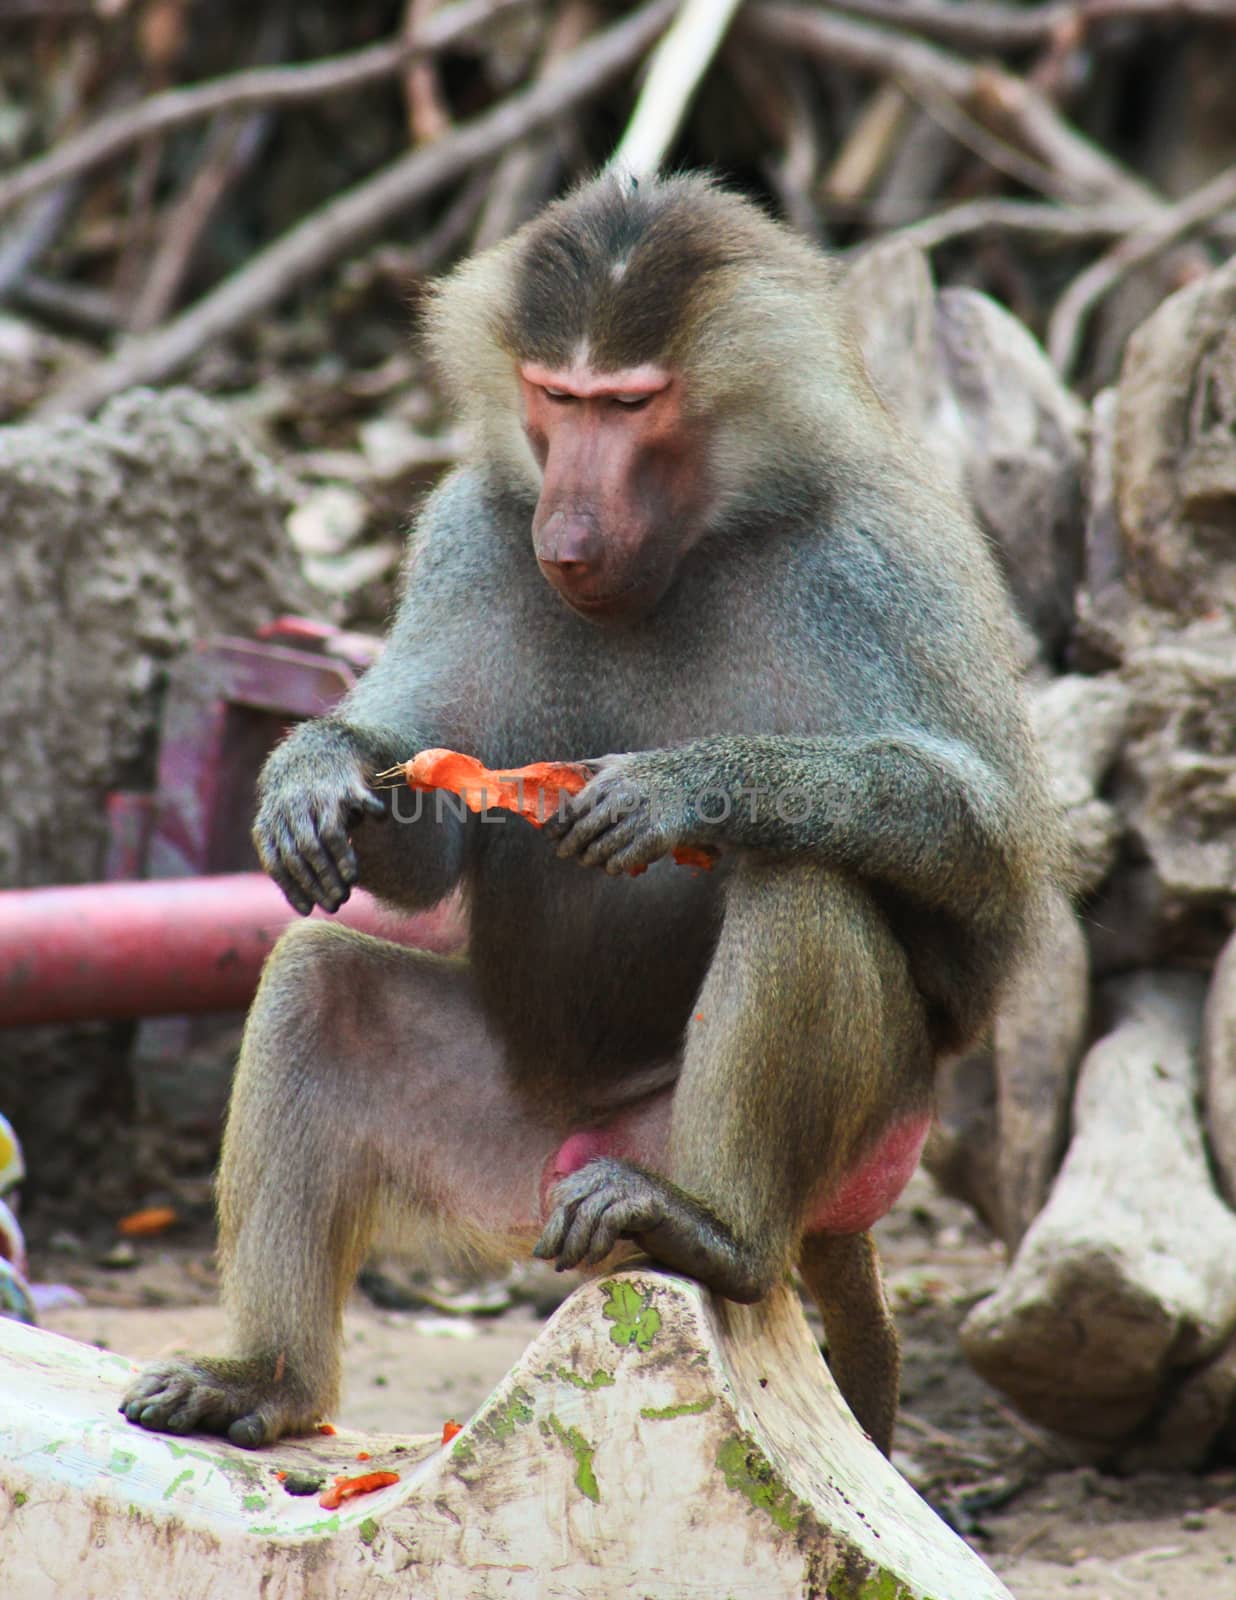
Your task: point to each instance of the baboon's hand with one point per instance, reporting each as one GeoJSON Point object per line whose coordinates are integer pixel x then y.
{"type": "Point", "coordinates": [629, 815]}
{"type": "Point", "coordinates": [312, 792]}
{"type": "Point", "coordinates": [605, 1201]}
{"type": "Point", "coordinates": [610, 1199]}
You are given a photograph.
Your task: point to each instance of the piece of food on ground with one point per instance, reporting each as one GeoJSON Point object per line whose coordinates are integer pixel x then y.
{"type": "Point", "coordinates": [345, 1488]}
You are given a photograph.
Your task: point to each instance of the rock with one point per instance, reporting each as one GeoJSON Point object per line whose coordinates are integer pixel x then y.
{"type": "Point", "coordinates": [394, 449]}
{"type": "Point", "coordinates": [1081, 724]}
{"type": "Point", "coordinates": [1219, 1068]}
{"type": "Point", "coordinates": [121, 1257]}
{"type": "Point", "coordinates": [1175, 450]}
{"type": "Point", "coordinates": [29, 358]}
{"type": "Point", "coordinates": [1177, 786]}
{"type": "Point", "coordinates": [1002, 1110]}
{"type": "Point", "coordinates": [345, 573]}
{"type": "Point", "coordinates": [967, 379]}
{"type": "Point", "coordinates": [1095, 831]}
{"type": "Point", "coordinates": [328, 520]}
{"type": "Point", "coordinates": [1039, 1035]}
{"type": "Point", "coordinates": [125, 539]}
{"type": "Point", "coordinates": [300, 1482]}
{"type": "Point", "coordinates": [893, 300]}
{"type": "Point", "coordinates": [1022, 440]}
{"type": "Point", "coordinates": [1133, 923]}
{"type": "Point", "coordinates": [1102, 599]}
{"type": "Point", "coordinates": [1194, 1424]}
{"type": "Point", "coordinates": [1123, 1287]}
{"type": "Point", "coordinates": [1110, 620]}
{"type": "Point", "coordinates": [962, 1152]}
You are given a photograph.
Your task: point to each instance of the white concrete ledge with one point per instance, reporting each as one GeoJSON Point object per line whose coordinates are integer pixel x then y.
{"type": "Point", "coordinates": [652, 1441]}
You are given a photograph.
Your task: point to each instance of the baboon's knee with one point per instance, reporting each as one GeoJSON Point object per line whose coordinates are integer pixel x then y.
{"type": "Point", "coordinates": [309, 1010]}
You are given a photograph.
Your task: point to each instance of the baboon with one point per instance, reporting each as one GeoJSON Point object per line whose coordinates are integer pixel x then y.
{"type": "Point", "coordinates": [692, 548]}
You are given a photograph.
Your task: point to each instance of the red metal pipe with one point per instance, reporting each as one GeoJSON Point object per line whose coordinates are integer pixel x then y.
{"type": "Point", "coordinates": [165, 946]}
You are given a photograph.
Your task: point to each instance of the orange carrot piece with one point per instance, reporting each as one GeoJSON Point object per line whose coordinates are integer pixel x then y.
{"type": "Point", "coordinates": [281, 1476]}
{"type": "Point", "coordinates": [151, 1220]}
{"type": "Point", "coordinates": [450, 1429]}
{"type": "Point", "coordinates": [691, 855]}
{"type": "Point", "coordinates": [328, 1428]}
{"type": "Point", "coordinates": [533, 792]}
{"type": "Point", "coordinates": [345, 1488]}
{"type": "Point", "coordinates": [362, 1455]}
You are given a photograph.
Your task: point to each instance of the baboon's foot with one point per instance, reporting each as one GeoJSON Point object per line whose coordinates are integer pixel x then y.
{"type": "Point", "coordinates": [252, 1402]}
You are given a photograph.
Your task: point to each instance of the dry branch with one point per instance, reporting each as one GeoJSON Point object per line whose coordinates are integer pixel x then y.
{"type": "Point", "coordinates": [1001, 102]}
{"type": "Point", "coordinates": [792, 175]}
{"type": "Point", "coordinates": [449, 233]}
{"type": "Point", "coordinates": [868, 145]}
{"type": "Point", "coordinates": [33, 235]}
{"type": "Point", "coordinates": [1151, 238]}
{"type": "Point", "coordinates": [1047, 222]}
{"type": "Point", "coordinates": [231, 145]}
{"type": "Point", "coordinates": [78, 307]}
{"type": "Point", "coordinates": [991, 148]}
{"type": "Point", "coordinates": [525, 176]}
{"type": "Point", "coordinates": [976, 26]}
{"type": "Point", "coordinates": [258, 86]}
{"type": "Point", "coordinates": [17, 11]}
{"type": "Point", "coordinates": [428, 116]}
{"type": "Point", "coordinates": [339, 226]}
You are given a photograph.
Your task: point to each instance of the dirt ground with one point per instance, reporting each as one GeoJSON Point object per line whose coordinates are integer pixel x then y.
{"type": "Point", "coordinates": [1052, 1529]}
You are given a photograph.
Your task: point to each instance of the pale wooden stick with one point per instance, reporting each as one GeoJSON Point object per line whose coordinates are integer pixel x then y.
{"type": "Point", "coordinates": [678, 64]}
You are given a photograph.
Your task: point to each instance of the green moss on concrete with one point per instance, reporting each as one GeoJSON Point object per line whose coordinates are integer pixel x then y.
{"type": "Point", "coordinates": [183, 1452]}
{"type": "Point", "coordinates": [878, 1585]}
{"type": "Point", "coordinates": [599, 1379]}
{"type": "Point", "coordinates": [242, 1474]}
{"type": "Point", "coordinates": [500, 1423]}
{"type": "Point", "coordinates": [748, 1470]}
{"type": "Point", "coordinates": [690, 1408]}
{"type": "Point", "coordinates": [633, 1315]}
{"type": "Point", "coordinates": [573, 1439]}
